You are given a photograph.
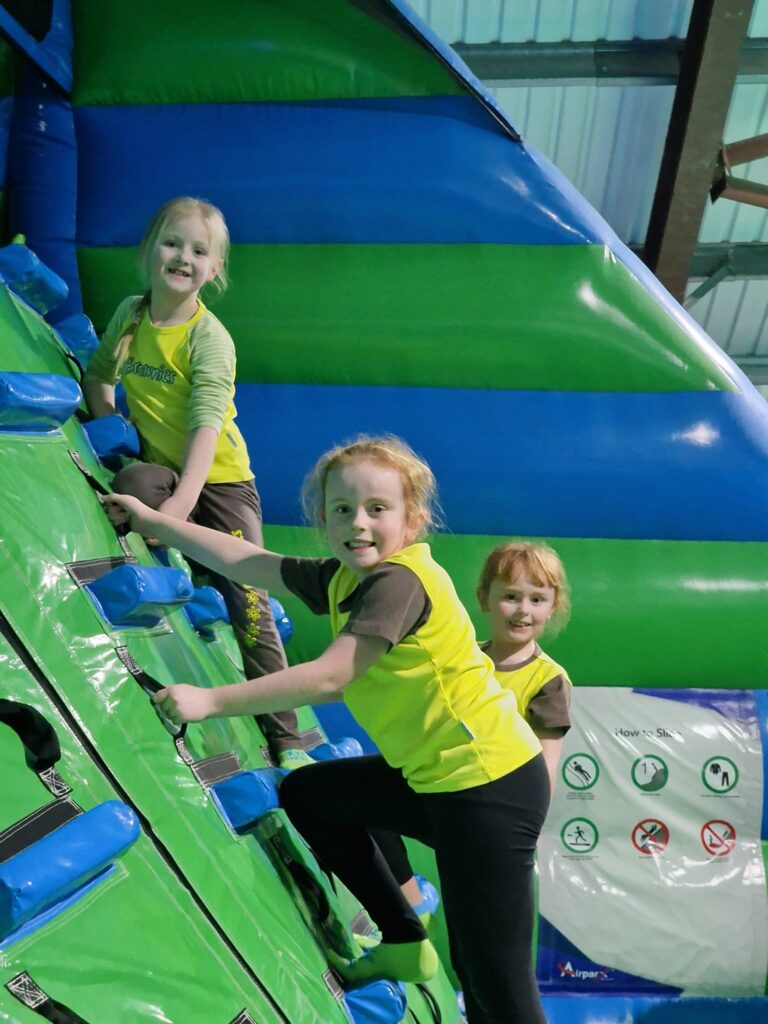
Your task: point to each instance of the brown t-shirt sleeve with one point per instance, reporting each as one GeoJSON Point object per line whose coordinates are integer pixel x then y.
{"type": "Point", "coordinates": [309, 579]}
{"type": "Point", "coordinates": [390, 603]}
{"type": "Point", "coordinates": [549, 708]}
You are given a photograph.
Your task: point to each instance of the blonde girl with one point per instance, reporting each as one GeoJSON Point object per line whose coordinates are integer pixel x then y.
{"type": "Point", "coordinates": [459, 768]}
{"type": "Point", "coordinates": [524, 591]}
{"type": "Point", "coordinates": [176, 361]}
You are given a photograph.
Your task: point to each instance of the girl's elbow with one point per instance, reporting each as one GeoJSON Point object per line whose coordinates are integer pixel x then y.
{"type": "Point", "coordinates": [330, 684]}
{"type": "Point", "coordinates": [331, 689]}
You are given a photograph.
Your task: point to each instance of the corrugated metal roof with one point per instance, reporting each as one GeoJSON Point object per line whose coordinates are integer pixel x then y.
{"type": "Point", "coordinates": [607, 139]}
{"type": "Point", "coordinates": [735, 314]}
{"type": "Point", "coordinates": [509, 21]}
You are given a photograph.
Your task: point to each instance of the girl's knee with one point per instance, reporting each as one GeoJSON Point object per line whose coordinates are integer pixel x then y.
{"type": "Point", "coordinates": [148, 482]}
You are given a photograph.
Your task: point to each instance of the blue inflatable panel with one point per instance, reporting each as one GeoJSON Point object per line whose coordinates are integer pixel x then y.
{"type": "Point", "coordinates": [283, 621]}
{"type": "Point", "coordinates": [245, 797]}
{"type": "Point", "coordinates": [42, 163]}
{"type": "Point", "coordinates": [139, 595]}
{"type": "Point", "coordinates": [53, 54]}
{"type": "Point", "coordinates": [761, 700]}
{"type": "Point", "coordinates": [35, 402]}
{"type": "Point", "coordinates": [29, 278]}
{"type": "Point", "coordinates": [78, 335]}
{"type": "Point", "coordinates": [381, 1002]}
{"type": "Point", "coordinates": [331, 173]}
{"type": "Point", "coordinates": [677, 466]}
{"type": "Point", "coordinates": [112, 437]}
{"type": "Point", "coordinates": [206, 608]}
{"type": "Point", "coordinates": [346, 746]}
{"type": "Point", "coordinates": [62, 862]}
{"type": "Point", "coordinates": [340, 727]}
{"type": "Point", "coordinates": [6, 108]}
{"type": "Point", "coordinates": [602, 1009]}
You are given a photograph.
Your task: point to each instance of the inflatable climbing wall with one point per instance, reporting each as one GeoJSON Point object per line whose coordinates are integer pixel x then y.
{"type": "Point", "coordinates": [402, 262]}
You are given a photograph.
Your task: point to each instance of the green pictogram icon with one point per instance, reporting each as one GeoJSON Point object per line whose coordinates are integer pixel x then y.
{"type": "Point", "coordinates": [579, 835]}
{"type": "Point", "coordinates": [650, 773]}
{"type": "Point", "coordinates": [720, 774]}
{"type": "Point", "coordinates": [580, 771]}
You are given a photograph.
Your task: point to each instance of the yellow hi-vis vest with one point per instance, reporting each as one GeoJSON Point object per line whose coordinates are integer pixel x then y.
{"type": "Point", "coordinates": [432, 704]}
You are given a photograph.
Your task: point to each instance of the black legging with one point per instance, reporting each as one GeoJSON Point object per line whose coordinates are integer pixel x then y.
{"type": "Point", "coordinates": [484, 840]}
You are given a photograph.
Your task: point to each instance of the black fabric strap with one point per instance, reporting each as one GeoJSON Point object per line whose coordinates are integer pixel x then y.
{"type": "Point", "coordinates": [38, 737]}
{"type": "Point", "coordinates": [432, 1003]}
{"type": "Point", "coordinates": [209, 770]}
{"type": "Point", "coordinates": [99, 488]}
{"type": "Point", "coordinates": [32, 996]}
{"type": "Point", "coordinates": [150, 686]}
{"type": "Point", "coordinates": [36, 826]}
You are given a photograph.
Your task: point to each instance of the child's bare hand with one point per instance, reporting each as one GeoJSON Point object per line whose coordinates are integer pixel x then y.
{"type": "Point", "coordinates": [185, 703]}
{"type": "Point", "coordinates": [123, 508]}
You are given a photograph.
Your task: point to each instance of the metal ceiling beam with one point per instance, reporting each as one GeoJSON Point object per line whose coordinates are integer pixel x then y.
{"type": "Point", "coordinates": [743, 259]}
{"type": "Point", "coordinates": [740, 259]}
{"type": "Point", "coordinates": [707, 75]}
{"type": "Point", "coordinates": [635, 61]}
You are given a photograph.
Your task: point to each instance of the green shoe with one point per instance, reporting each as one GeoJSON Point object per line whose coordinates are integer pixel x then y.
{"type": "Point", "coordinates": [293, 758]}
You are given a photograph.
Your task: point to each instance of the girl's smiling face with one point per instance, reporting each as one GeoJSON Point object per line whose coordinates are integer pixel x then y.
{"type": "Point", "coordinates": [181, 261]}
{"type": "Point", "coordinates": [366, 514]}
{"type": "Point", "coordinates": [519, 610]}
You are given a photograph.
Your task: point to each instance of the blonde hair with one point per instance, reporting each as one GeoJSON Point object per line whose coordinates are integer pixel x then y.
{"type": "Point", "coordinates": [540, 563]}
{"type": "Point", "coordinates": [419, 486]}
{"type": "Point", "coordinates": [218, 240]}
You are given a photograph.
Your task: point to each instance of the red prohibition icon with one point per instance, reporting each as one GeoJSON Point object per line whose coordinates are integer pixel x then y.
{"type": "Point", "coordinates": [718, 837]}
{"type": "Point", "coordinates": [650, 836]}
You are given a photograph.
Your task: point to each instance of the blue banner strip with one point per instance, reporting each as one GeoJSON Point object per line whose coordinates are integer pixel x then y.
{"type": "Point", "coordinates": [679, 466]}
{"type": "Point", "coordinates": [600, 1009]}
{"type": "Point", "coordinates": [403, 170]}
{"type": "Point", "coordinates": [761, 700]}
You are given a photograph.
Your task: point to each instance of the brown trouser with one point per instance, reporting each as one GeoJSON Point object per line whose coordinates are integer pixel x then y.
{"type": "Point", "coordinates": [235, 509]}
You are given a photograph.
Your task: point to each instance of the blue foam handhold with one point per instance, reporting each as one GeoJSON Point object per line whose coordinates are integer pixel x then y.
{"type": "Point", "coordinates": [430, 897]}
{"type": "Point", "coordinates": [36, 401]}
{"type": "Point", "coordinates": [29, 278]}
{"type": "Point", "coordinates": [245, 797]}
{"type": "Point", "coordinates": [139, 595]}
{"type": "Point", "coordinates": [380, 1002]}
{"type": "Point", "coordinates": [206, 608]}
{"type": "Point", "coordinates": [283, 622]}
{"type": "Point", "coordinates": [77, 333]}
{"type": "Point", "coordinates": [63, 861]}
{"type": "Point", "coordinates": [347, 746]}
{"type": "Point", "coordinates": [112, 437]}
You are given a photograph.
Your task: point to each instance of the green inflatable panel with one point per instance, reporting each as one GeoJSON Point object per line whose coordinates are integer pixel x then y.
{"type": "Point", "coordinates": [136, 939]}
{"type": "Point", "coordinates": [679, 594]}
{"type": "Point", "coordinates": [305, 51]}
{"type": "Point", "coordinates": [420, 303]}
{"type": "Point", "coordinates": [55, 538]}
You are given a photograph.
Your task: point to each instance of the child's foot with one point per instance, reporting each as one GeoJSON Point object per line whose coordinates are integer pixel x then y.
{"type": "Point", "coordinates": [398, 961]}
{"type": "Point", "coordinates": [293, 758]}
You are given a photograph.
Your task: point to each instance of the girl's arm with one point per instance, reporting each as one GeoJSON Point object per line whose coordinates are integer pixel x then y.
{"type": "Point", "coordinates": [313, 682]}
{"type": "Point", "coordinates": [196, 464]}
{"type": "Point", "coordinates": [233, 557]}
{"type": "Point", "coordinates": [551, 746]}
{"type": "Point", "coordinates": [100, 398]}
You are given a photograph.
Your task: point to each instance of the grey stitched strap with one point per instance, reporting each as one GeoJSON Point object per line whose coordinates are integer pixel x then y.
{"type": "Point", "coordinates": [28, 992]}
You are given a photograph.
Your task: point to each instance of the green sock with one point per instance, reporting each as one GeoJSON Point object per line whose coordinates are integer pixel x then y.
{"type": "Point", "coordinates": [293, 758]}
{"type": "Point", "coordinates": [398, 961]}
